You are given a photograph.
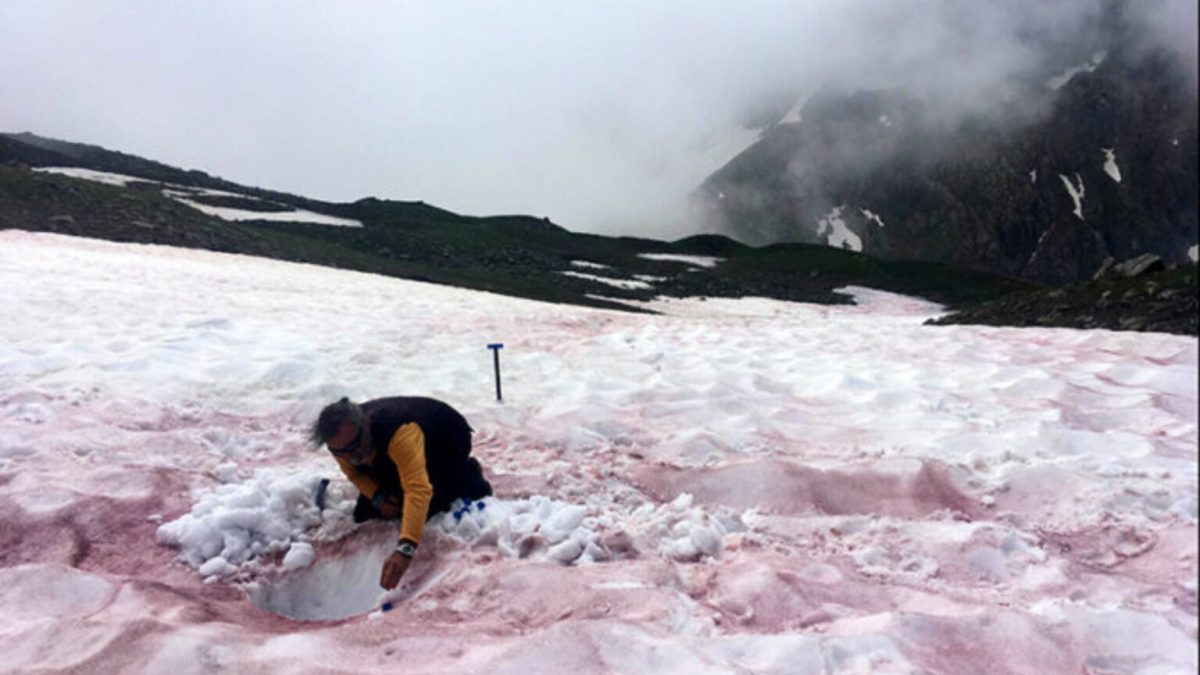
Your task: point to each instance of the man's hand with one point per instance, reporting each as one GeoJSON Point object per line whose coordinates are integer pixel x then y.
{"type": "Point", "coordinates": [393, 569]}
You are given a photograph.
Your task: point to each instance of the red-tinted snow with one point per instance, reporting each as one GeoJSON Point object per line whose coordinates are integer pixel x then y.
{"type": "Point", "coordinates": [736, 485]}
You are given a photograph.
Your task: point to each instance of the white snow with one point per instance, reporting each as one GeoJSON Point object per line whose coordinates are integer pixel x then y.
{"type": "Point", "coordinates": [1055, 83]}
{"type": "Point", "coordinates": [697, 260]}
{"type": "Point", "coordinates": [1077, 193]}
{"type": "Point", "coordinates": [104, 177]}
{"type": "Point", "coordinates": [232, 214]}
{"type": "Point", "coordinates": [837, 234]}
{"type": "Point", "coordinates": [1033, 176]}
{"type": "Point", "coordinates": [56, 590]}
{"type": "Point", "coordinates": [300, 554]}
{"type": "Point", "coordinates": [872, 216]}
{"type": "Point", "coordinates": [588, 265]}
{"type": "Point", "coordinates": [1110, 164]}
{"type": "Point", "coordinates": [183, 194]}
{"type": "Point", "coordinates": [732, 485]}
{"type": "Point", "coordinates": [629, 284]}
{"type": "Point", "coordinates": [565, 533]}
{"type": "Point", "coordinates": [235, 523]}
{"type": "Point", "coordinates": [1192, 252]}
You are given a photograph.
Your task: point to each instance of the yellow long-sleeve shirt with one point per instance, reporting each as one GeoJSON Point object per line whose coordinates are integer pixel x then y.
{"type": "Point", "coordinates": [406, 449]}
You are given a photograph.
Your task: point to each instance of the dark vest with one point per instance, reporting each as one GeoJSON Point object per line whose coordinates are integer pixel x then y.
{"type": "Point", "coordinates": [447, 441]}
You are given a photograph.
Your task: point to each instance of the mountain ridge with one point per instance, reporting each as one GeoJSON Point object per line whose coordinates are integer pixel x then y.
{"type": "Point", "coordinates": [1102, 164]}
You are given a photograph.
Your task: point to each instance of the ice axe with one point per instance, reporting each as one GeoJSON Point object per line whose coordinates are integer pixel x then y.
{"type": "Point", "coordinates": [496, 347]}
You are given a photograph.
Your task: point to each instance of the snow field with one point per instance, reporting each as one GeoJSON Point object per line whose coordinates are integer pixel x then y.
{"type": "Point", "coordinates": [737, 484]}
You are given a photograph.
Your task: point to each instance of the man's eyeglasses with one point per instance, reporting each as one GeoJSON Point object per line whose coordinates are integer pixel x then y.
{"type": "Point", "coordinates": [351, 447]}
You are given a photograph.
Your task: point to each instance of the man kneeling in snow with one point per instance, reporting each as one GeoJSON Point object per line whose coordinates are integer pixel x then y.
{"type": "Point", "coordinates": [409, 457]}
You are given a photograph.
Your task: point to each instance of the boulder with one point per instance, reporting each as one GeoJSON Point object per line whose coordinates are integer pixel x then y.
{"type": "Point", "coordinates": [1143, 264]}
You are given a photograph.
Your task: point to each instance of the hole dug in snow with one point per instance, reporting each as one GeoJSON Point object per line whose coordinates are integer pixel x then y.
{"type": "Point", "coordinates": [337, 585]}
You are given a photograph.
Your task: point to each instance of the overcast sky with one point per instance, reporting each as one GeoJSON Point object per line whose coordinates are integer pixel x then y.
{"type": "Point", "coordinates": [600, 115]}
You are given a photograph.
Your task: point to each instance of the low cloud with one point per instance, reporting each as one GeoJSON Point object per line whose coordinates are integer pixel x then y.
{"type": "Point", "coordinates": [602, 116]}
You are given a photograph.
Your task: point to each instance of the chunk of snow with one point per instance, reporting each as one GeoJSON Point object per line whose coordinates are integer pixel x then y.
{"type": "Point", "coordinates": [217, 566]}
{"type": "Point", "coordinates": [1077, 193]}
{"type": "Point", "coordinates": [705, 540]}
{"type": "Point", "coordinates": [563, 522]}
{"type": "Point", "coordinates": [565, 552]}
{"type": "Point", "coordinates": [839, 234]}
{"type": "Point", "coordinates": [1110, 164]}
{"type": "Point", "coordinates": [300, 554]}
{"type": "Point", "coordinates": [227, 472]}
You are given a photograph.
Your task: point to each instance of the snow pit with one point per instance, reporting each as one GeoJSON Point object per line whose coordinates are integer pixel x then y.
{"type": "Point", "coordinates": [334, 586]}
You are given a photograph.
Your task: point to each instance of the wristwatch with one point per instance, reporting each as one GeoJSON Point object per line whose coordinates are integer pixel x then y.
{"type": "Point", "coordinates": [406, 549]}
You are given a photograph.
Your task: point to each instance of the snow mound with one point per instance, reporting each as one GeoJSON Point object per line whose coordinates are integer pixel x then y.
{"type": "Point", "coordinates": [541, 528]}
{"type": "Point", "coordinates": [234, 523]}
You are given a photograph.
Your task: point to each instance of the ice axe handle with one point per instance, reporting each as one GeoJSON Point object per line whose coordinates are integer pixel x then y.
{"type": "Point", "coordinates": [496, 347]}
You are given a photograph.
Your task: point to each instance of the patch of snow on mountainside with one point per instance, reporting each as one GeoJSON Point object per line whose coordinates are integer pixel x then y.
{"type": "Point", "coordinates": [1055, 83]}
{"type": "Point", "coordinates": [1076, 192]}
{"type": "Point", "coordinates": [836, 232]}
{"type": "Point", "coordinates": [1110, 164]}
{"type": "Point", "coordinates": [869, 215]}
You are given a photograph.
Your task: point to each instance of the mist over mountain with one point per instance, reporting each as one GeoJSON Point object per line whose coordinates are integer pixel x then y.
{"type": "Point", "coordinates": [604, 117]}
{"type": "Point", "coordinates": [1086, 153]}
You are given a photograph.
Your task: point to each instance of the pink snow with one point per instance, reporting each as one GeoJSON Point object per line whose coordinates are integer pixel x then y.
{"type": "Point", "coordinates": [732, 485]}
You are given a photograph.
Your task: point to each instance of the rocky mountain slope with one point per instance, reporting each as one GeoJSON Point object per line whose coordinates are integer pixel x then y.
{"type": "Point", "coordinates": [125, 198]}
{"type": "Point", "coordinates": [516, 255]}
{"type": "Point", "coordinates": [1096, 158]}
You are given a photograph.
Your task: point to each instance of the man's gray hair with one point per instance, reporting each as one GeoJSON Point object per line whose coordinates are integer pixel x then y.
{"type": "Point", "coordinates": [331, 418]}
